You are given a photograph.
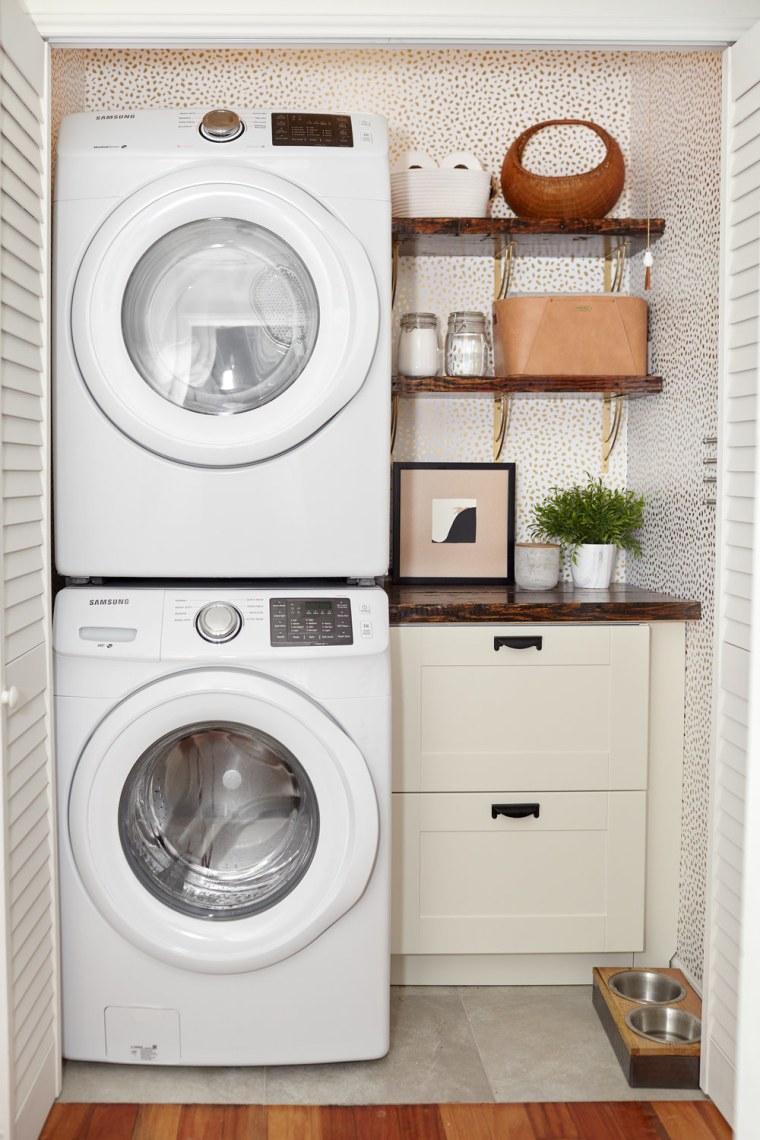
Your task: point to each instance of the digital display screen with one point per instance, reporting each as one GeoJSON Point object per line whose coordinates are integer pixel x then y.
{"type": "Point", "coordinates": [318, 608]}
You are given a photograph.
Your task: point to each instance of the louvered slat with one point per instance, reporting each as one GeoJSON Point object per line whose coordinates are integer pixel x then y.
{"type": "Point", "coordinates": [34, 710]}
{"type": "Point", "coordinates": [734, 708]}
{"type": "Point", "coordinates": [22, 588]}
{"type": "Point", "coordinates": [23, 144]}
{"type": "Point", "coordinates": [17, 378]}
{"type": "Point", "coordinates": [22, 188]}
{"type": "Point", "coordinates": [21, 510]}
{"type": "Point", "coordinates": [22, 116]}
{"type": "Point", "coordinates": [37, 966]}
{"type": "Point", "coordinates": [733, 758]}
{"type": "Point", "coordinates": [15, 239]}
{"type": "Point", "coordinates": [21, 405]}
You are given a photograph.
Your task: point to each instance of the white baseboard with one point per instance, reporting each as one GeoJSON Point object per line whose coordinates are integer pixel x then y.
{"type": "Point", "coordinates": [677, 964]}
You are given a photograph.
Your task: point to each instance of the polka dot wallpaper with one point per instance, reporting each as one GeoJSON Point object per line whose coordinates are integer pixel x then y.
{"type": "Point", "coordinates": [676, 131]}
{"type": "Point", "coordinates": [664, 112]}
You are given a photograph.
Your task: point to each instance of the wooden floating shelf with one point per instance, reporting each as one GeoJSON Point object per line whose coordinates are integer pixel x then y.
{"type": "Point", "coordinates": [600, 386]}
{"type": "Point", "coordinates": [496, 605]}
{"type": "Point", "coordinates": [549, 237]}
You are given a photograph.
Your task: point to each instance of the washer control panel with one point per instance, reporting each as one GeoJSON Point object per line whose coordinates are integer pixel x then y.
{"type": "Point", "coordinates": [310, 621]}
{"type": "Point", "coordinates": [271, 622]}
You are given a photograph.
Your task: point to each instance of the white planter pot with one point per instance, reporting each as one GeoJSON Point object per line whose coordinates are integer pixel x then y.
{"type": "Point", "coordinates": [536, 565]}
{"type": "Point", "coordinates": [593, 566]}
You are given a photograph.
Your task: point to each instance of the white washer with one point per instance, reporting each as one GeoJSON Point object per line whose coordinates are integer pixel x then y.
{"type": "Point", "coordinates": [224, 789]}
{"type": "Point", "coordinates": [221, 356]}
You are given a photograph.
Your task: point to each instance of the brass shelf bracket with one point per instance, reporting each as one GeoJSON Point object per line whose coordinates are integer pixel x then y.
{"type": "Point", "coordinates": [394, 272]}
{"type": "Point", "coordinates": [394, 419]}
{"type": "Point", "coordinates": [504, 266]}
{"type": "Point", "coordinates": [614, 266]}
{"type": "Point", "coordinates": [501, 410]}
{"type": "Point", "coordinates": [612, 417]}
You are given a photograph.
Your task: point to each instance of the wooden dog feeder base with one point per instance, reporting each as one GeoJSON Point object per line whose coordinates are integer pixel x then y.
{"type": "Point", "coordinates": [647, 1064]}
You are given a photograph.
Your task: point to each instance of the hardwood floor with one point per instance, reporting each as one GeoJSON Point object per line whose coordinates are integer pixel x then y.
{"type": "Point", "coordinates": [602, 1120]}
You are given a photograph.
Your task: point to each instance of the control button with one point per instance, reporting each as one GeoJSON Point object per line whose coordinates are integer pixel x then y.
{"type": "Point", "coordinates": [365, 628]}
{"type": "Point", "coordinates": [365, 608]}
{"type": "Point", "coordinates": [218, 621]}
{"type": "Point", "coordinates": [221, 125]}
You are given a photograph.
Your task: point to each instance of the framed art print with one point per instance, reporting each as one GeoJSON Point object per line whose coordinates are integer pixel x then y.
{"type": "Point", "coordinates": [454, 522]}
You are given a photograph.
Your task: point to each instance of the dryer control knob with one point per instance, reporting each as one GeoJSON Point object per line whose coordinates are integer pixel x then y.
{"type": "Point", "coordinates": [218, 621]}
{"type": "Point", "coordinates": [221, 125]}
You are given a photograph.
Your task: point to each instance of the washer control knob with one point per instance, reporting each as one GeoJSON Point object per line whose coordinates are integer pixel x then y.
{"type": "Point", "coordinates": [218, 621]}
{"type": "Point", "coordinates": [221, 125]}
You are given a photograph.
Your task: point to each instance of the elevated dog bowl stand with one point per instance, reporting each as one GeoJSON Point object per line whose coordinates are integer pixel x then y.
{"type": "Point", "coordinates": [647, 1064]}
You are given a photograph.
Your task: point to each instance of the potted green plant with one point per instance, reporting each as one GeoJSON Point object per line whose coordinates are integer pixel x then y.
{"type": "Point", "coordinates": [591, 521]}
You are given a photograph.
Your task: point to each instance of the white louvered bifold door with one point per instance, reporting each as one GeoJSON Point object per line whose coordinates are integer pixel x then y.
{"type": "Point", "coordinates": [29, 1052]}
{"type": "Point", "coordinates": [737, 594]}
{"type": "Point", "coordinates": [745, 144]}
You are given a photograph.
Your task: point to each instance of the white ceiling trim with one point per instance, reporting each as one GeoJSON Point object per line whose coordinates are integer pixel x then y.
{"type": "Point", "coordinates": [112, 22]}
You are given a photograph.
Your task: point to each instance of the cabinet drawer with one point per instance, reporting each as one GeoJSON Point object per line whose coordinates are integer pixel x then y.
{"type": "Point", "coordinates": [570, 715]}
{"type": "Point", "coordinates": [570, 880]}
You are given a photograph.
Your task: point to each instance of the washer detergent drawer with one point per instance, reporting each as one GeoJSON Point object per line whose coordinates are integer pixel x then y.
{"type": "Point", "coordinates": [518, 873]}
{"type": "Point", "coordinates": [520, 706]}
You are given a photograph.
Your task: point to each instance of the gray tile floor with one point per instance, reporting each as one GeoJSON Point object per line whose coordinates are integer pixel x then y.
{"type": "Point", "coordinates": [448, 1044]}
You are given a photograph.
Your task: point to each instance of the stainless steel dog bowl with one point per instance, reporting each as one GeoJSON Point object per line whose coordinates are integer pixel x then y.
{"type": "Point", "coordinates": [664, 1023]}
{"type": "Point", "coordinates": [647, 987]}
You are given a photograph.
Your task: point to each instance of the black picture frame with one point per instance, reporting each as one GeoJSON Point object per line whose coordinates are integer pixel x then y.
{"type": "Point", "coordinates": [453, 523]}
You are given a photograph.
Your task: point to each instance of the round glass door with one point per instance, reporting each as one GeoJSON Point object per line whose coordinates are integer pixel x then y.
{"type": "Point", "coordinates": [218, 820]}
{"type": "Point", "coordinates": [220, 316]}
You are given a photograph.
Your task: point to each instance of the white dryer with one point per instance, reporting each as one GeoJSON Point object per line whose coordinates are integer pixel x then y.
{"type": "Point", "coordinates": [224, 788]}
{"type": "Point", "coordinates": [221, 364]}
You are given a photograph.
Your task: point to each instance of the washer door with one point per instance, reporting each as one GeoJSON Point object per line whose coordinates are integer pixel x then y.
{"type": "Point", "coordinates": [220, 820]}
{"type": "Point", "coordinates": [221, 316]}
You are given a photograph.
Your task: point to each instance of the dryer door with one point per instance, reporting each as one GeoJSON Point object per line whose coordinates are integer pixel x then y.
{"type": "Point", "coordinates": [221, 821]}
{"type": "Point", "coordinates": [221, 316]}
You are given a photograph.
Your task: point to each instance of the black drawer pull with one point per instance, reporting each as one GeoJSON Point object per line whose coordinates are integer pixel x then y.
{"type": "Point", "coordinates": [518, 643]}
{"type": "Point", "coordinates": [515, 811]}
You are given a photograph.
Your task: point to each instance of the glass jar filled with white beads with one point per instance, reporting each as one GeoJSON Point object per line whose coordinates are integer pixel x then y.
{"type": "Point", "coordinates": [419, 349]}
{"type": "Point", "coordinates": [466, 344]}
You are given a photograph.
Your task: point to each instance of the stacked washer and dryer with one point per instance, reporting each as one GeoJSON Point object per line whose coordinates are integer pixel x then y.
{"type": "Point", "coordinates": [221, 387]}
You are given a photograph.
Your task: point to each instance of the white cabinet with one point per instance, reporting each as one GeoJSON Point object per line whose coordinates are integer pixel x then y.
{"type": "Point", "coordinates": [560, 708]}
{"type": "Point", "coordinates": [520, 793]}
{"type": "Point", "coordinates": [569, 878]}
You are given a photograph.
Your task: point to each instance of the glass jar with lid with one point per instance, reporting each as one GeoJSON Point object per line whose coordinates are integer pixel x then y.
{"type": "Point", "coordinates": [466, 344]}
{"type": "Point", "coordinates": [418, 345]}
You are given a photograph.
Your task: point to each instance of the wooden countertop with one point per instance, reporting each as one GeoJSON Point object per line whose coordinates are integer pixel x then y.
{"type": "Point", "coordinates": [452, 604]}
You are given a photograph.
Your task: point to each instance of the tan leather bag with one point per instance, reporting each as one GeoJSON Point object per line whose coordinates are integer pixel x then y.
{"type": "Point", "coordinates": [599, 334]}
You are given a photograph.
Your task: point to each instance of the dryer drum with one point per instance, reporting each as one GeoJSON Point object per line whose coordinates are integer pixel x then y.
{"type": "Point", "coordinates": [220, 316]}
{"type": "Point", "coordinates": [278, 296]}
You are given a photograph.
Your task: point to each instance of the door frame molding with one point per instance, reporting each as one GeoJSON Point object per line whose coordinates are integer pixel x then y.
{"type": "Point", "coordinates": [391, 23]}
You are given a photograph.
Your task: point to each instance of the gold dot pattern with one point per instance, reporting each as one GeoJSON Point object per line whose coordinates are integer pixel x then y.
{"type": "Point", "coordinates": [676, 120]}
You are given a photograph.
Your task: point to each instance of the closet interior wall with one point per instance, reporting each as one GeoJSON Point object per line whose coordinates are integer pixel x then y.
{"type": "Point", "coordinates": [664, 110]}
